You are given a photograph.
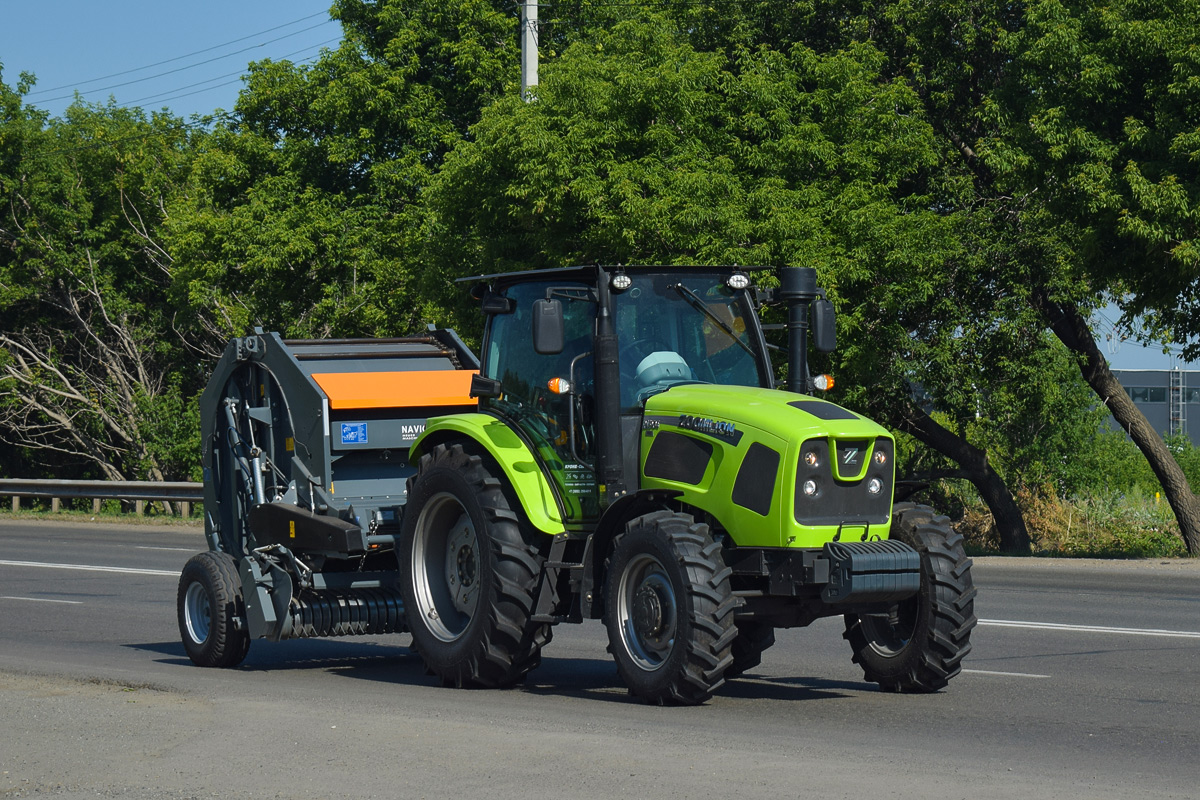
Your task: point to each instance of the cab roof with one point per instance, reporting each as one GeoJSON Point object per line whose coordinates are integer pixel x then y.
{"type": "Point", "coordinates": [585, 272]}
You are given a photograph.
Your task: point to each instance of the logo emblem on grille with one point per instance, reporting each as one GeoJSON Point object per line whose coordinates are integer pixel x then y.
{"type": "Point", "coordinates": [850, 456]}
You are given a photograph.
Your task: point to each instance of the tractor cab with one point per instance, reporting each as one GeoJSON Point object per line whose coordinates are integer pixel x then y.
{"type": "Point", "coordinates": [672, 326]}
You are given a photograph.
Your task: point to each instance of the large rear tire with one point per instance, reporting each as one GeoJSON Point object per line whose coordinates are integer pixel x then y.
{"type": "Point", "coordinates": [209, 606]}
{"type": "Point", "coordinates": [920, 647]}
{"type": "Point", "coordinates": [467, 575]}
{"type": "Point", "coordinates": [669, 609]}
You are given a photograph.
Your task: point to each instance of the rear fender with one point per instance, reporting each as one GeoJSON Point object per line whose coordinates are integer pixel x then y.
{"type": "Point", "coordinates": [515, 459]}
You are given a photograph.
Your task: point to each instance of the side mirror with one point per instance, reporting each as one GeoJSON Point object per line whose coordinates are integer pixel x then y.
{"type": "Point", "coordinates": [493, 303]}
{"type": "Point", "coordinates": [824, 325]}
{"type": "Point", "coordinates": [548, 339]}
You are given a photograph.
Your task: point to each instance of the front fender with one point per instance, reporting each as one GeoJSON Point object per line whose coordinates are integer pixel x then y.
{"type": "Point", "coordinates": [516, 460]}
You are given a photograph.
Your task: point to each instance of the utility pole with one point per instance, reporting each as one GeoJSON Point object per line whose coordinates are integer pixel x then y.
{"type": "Point", "coordinates": [529, 48]}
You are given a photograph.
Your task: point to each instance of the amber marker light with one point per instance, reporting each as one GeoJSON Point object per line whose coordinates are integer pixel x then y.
{"type": "Point", "coordinates": [823, 382]}
{"type": "Point", "coordinates": [558, 385]}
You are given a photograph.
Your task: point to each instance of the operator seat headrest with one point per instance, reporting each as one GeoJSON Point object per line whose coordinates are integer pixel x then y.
{"type": "Point", "coordinates": [664, 366]}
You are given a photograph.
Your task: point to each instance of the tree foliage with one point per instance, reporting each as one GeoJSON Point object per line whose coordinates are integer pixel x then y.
{"type": "Point", "coordinates": [970, 179]}
{"type": "Point", "coordinates": [87, 351]}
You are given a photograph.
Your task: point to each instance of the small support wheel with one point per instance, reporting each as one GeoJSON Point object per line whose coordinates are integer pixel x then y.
{"type": "Point", "coordinates": [669, 609]}
{"type": "Point", "coordinates": [920, 644]}
{"type": "Point", "coordinates": [211, 611]}
{"type": "Point", "coordinates": [467, 575]}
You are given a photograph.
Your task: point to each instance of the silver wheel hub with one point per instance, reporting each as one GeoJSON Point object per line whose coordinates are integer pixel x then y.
{"type": "Point", "coordinates": [197, 613]}
{"type": "Point", "coordinates": [446, 567]}
{"type": "Point", "coordinates": [648, 612]}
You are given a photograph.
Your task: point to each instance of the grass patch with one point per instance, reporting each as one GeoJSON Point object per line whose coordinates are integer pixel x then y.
{"type": "Point", "coordinates": [108, 516]}
{"type": "Point", "coordinates": [1131, 525]}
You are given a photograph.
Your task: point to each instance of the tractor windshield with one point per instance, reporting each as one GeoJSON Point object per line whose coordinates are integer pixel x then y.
{"type": "Point", "coordinates": [676, 326]}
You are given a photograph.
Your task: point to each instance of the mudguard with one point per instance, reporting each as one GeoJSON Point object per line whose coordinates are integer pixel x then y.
{"type": "Point", "coordinates": [510, 452]}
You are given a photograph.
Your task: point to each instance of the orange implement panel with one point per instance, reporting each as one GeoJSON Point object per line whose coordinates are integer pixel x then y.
{"type": "Point", "coordinates": [443, 387]}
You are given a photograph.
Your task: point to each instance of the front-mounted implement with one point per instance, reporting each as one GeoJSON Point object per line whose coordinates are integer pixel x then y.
{"type": "Point", "coordinates": [621, 452]}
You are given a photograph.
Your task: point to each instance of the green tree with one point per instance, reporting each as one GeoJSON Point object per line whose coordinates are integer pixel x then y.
{"type": "Point", "coordinates": [1075, 127]}
{"type": "Point", "coordinates": [87, 344]}
{"type": "Point", "coordinates": [1078, 128]}
{"type": "Point", "coordinates": [304, 211]}
{"type": "Point", "coordinates": [642, 148]}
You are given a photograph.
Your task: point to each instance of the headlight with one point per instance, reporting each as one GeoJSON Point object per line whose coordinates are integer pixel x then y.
{"type": "Point", "coordinates": [738, 280]}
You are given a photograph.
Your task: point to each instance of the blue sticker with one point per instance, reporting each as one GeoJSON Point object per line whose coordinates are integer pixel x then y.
{"type": "Point", "coordinates": [354, 433]}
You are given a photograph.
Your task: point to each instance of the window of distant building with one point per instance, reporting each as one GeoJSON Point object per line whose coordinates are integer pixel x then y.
{"type": "Point", "coordinates": [1193, 395]}
{"type": "Point", "coordinates": [1149, 394]}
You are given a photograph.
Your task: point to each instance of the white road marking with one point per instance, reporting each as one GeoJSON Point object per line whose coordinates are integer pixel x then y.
{"type": "Point", "coordinates": [43, 600]}
{"type": "Point", "coordinates": [1005, 674]}
{"type": "Point", "coordinates": [172, 549]}
{"type": "Point", "coordinates": [1057, 626]}
{"type": "Point", "coordinates": [91, 568]}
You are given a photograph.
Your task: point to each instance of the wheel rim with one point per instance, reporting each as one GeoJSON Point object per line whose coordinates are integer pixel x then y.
{"type": "Point", "coordinates": [197, 613]}
{"type": "Point", "coordinates": [446, 567]}
{"type": "Point", "coordinates": [888, 637]}
{"type": "Point", "coordinates": [648, 612]}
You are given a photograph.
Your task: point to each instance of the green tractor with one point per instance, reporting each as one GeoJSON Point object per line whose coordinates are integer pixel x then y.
{"type": "Point", "coordinates": [626, 456]}
{"type": "Point", "coordinates": [631, 460]}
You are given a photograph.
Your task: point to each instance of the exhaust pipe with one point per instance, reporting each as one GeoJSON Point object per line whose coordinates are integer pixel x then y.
{"type": "Point", "coordinates": [797, 288]}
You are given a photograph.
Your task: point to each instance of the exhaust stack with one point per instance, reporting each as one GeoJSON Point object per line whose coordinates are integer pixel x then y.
{"type": "Point", "coordinates": [798, 289]}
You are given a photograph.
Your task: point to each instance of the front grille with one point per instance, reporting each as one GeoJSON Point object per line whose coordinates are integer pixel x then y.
{"type": "Point", "coordinates": [839, 490]}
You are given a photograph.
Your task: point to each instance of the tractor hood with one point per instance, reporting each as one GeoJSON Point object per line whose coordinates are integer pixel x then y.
{"type": "Point", "coordinates": [775, 468]}
{"type": "Point", "coordinates": [784, 414]}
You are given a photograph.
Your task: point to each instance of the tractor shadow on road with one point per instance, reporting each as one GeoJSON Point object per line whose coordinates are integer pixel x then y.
{"type": "Point", "coordinates": [752, 686]}
{"type": "Point", "coordinates": [387, 661]}
{"type": "Point", "coordinates": [383, 660]}
{"type": "Point", "coordinates": [597, 679]}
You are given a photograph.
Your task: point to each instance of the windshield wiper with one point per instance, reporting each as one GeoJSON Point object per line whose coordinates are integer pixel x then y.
{"type": "Point", "coordinates": [695, 301]}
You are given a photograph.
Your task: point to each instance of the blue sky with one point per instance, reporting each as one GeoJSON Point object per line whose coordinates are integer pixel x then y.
{"type": "Point", "coordinates": [77, 44]}
{"type": "Point", "coordinates": [188, 57]}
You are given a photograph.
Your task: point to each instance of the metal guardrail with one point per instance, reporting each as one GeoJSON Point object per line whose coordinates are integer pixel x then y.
{"type": "Point", "coordinates": [138, 492]}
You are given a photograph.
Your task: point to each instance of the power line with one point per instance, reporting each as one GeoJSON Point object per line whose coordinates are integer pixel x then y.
{"type": "Point", "coordinates": [177, 58]}
{"type": "Point", "coordinates": [180, 69]}
{"type": "Point", "coordinates": [159, 96]}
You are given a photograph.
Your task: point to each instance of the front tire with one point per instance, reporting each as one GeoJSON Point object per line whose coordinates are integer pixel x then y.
{"type": "Point", "coordinates": [753, 638]}
{"type": "Point", "coordinates": [920, 647]}
{"type": "Point", "coordinates": [669, 609]}
{"type": "Point", "coordinates": [209, 606]}
{"type": "Point", "coordinates": [467, 575]}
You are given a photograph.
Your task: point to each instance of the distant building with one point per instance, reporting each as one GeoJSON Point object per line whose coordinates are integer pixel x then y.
{"type": "Point", "coordinates": [1168, 397]}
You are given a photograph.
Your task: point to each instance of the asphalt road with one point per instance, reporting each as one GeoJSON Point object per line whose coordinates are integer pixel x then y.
{"type": "Point", "coordinates": [1082, 683]}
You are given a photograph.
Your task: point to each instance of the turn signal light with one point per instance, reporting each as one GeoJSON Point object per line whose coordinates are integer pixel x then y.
{"type": "Point", "coordinates": [823, 382]}
{"type": "Point", "coordinates": [558, 385]}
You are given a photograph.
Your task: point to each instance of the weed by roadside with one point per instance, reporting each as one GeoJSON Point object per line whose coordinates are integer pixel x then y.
{"type": "Point", "coordinates": [105, 517]}
{"type": "Point", "coordinates": [1128, 525]}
